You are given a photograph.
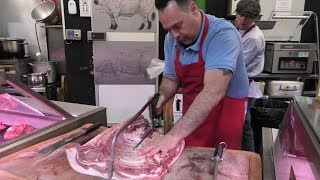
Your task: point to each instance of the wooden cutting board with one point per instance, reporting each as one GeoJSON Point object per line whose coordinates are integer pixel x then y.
{"type": "Point", "coordinates": [194, 163]}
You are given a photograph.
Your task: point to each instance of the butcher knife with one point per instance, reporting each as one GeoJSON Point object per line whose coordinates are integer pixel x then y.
{"type": "Point", "coordinates": [49, 149]}
{"type": "Point", "coordinates": [153, 117]}
{"type": "Point", "coordinates": [217, 158]}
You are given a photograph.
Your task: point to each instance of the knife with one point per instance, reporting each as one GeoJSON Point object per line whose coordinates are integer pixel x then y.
{"type": "Point", "coordinates": [153, 116]}
{"type": "Point", "coordinates": [49, 149]}
{"type": "Point", "coordinates": [217, 158]}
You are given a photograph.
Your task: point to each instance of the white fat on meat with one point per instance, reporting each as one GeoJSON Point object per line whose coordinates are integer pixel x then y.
{"type": "Point", "coordinates": [93, 157]}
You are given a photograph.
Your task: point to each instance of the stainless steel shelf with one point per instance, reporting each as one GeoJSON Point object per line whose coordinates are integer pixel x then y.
{"type": "Point", "coordinates": [58, 26]}
{"type": "Point", "coordinates": [15, 91]}
{"type": "Point", "coordinates": [272, 75]}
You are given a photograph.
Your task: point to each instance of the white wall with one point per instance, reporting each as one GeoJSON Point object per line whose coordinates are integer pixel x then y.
{"type": "Point", "coordinates": [283, 28]}
{"type": "Point", "coordinates": [123, 101]}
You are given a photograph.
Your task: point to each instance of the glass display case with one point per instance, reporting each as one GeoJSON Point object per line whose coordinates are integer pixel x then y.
{"type": "Point", "coordinates": [295, 150]}
{"type": "Point", "coordinates": [31, 118]}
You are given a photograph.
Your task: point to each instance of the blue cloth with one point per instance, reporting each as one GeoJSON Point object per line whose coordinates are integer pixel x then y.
{"type": "Point", "coordinates": [222, 49]}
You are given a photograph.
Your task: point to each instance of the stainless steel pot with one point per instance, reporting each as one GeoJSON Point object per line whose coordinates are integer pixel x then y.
{"type": "Point", "coordinates": [44, 67]}
{"type": "Point", "coordinates": [36, 79]}
{"type": "Point", "coordinates": [12, 48]}
{"type": "Point", "coordinates": [45, 12]}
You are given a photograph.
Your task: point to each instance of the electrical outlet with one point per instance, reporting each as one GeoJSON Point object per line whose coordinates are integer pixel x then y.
{"type": "Point", "coordinates": [72, 7]}
{"type": "Point", "coordinates": [73, 34]}
{"type": "Point", "coordinates": [85, 8]}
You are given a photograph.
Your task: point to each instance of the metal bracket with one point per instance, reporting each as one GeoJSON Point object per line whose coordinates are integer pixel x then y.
{"type": "Point", "coordinates": [96, 36]}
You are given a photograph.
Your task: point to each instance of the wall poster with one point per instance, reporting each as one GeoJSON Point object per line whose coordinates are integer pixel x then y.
{"type": "Point", "coordinates": [124, 15]}
{"type": "Point", "coordinates": [123, 62]}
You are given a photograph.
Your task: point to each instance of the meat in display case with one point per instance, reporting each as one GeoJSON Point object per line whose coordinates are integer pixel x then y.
{"type": "Point", "coordinates": [296, 148]}
{"type": "Point", "coordinates": [30, 119]}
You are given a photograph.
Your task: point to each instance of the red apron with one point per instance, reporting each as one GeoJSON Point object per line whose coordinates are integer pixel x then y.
{"type": "Point", "coordinates": [249, 29]}
{"type": "Point", "coordinates": [225, 122]}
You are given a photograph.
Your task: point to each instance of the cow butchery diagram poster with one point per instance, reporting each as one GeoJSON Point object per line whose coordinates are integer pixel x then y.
{"type": "Point", "coordinates": [124, 15]}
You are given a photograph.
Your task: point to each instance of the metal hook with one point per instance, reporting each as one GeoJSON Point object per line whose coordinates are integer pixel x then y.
{"type": "Point", "coordinates": [224, 145]}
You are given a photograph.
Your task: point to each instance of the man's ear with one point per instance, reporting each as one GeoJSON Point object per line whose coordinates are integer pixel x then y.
{"type": "Point", "coordinates": [193, 7]}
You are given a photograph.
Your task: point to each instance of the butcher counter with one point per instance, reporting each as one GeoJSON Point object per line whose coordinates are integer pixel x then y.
{"type": "Point", "coordinates": [193, 163]}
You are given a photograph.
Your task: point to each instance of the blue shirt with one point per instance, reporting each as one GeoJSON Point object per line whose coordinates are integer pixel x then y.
{"type": "Point", "coordinates": [222, 49]}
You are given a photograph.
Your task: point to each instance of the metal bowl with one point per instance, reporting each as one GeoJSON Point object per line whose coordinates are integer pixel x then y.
{"type": "Point", "coordinates": [45, 12]}
{"type": "Point", "coordinates": [36, 79]}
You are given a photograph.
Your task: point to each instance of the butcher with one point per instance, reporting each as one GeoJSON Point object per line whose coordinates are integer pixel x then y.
{"type": "Point", "coordinates": [203, 56]}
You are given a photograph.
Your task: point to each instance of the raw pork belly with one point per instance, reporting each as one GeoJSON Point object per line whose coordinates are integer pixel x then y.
{"type": "Point", "coordinates": [16, 130]}
{"type": "Point", "coordinates": [93, 157]}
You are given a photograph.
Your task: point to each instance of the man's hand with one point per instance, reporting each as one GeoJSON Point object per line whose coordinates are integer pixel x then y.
{"type": "Point", "coordinates": [162, 144]}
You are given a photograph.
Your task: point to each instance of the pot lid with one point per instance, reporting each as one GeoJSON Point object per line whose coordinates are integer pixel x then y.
{"type": "Point", "coordinates": [11, 39]}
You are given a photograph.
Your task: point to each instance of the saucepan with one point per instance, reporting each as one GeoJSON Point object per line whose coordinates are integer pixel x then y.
{"type": "Point", "coordinates": [44, 67]}
{"type": "Point", "coordinates": [37, 79]}
{"type": "Point", "coordinates": [12, 48]}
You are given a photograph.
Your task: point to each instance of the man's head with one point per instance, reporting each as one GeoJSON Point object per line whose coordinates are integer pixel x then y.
{"type": "Point", "coordinates": [247, 12]}
{"type": "Point", "coordinates": [181, 18]}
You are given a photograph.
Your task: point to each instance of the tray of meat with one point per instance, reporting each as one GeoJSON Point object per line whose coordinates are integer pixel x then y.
{"type": "Point", "coordinates": [18, 129]}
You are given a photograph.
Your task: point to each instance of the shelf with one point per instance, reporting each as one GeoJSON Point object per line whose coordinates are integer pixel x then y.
{"type": "Point", "coordinates": [269, 75]}
{"type": "Point", "coordinates": [59, 26]}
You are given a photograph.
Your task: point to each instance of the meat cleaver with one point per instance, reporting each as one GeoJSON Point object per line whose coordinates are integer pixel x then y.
{"type": "Point", "coordinates": [49, 149]}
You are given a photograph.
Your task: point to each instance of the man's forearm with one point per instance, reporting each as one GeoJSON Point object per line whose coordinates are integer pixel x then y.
{"type": "Point", "coordinates": [168, 87]}
{"type": "Point", "coordinates": [202, 106]}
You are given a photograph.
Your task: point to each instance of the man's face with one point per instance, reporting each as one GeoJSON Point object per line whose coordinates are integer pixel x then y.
{"type": "Point", "coordinates": [243, 21]}
{"type": "Point", "coordinates": [180, 23]}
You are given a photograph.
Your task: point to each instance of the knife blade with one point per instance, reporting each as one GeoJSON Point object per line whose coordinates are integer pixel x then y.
{"type": "Point", "coordinates": [217, 158]}
{"type": "Point", "coordinates": [49, 149]}
{"type": "Point", "coordinates": [153, 116]}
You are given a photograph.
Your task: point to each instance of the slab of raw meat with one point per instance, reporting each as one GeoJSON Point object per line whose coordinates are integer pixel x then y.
{"type": "Point", "coordinates": [16, 130]}
{"type": "Point", "coordinates": [93, 157]}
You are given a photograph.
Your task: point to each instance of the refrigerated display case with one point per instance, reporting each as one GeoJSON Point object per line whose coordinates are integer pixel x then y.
{"type": "Point", "coordinates": [295, 151]}
{"type": "Point", "coordinates": [31, 118]}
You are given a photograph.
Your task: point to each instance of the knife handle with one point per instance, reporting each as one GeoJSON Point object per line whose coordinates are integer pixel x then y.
{"type": "Point", "coordinates": [218, 151]}
{"type": "Point", "coordinates": [82, 132]}
{"type": "Point", "coordinates": [93, 127]}
{"type": "Point", "coordinates": [153, 106]}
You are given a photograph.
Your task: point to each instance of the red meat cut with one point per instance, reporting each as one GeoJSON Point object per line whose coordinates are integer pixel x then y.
{"type": "Point", "coordinates": [16, 130]}
{"type": "Point", "coordinates": [93, 157]}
